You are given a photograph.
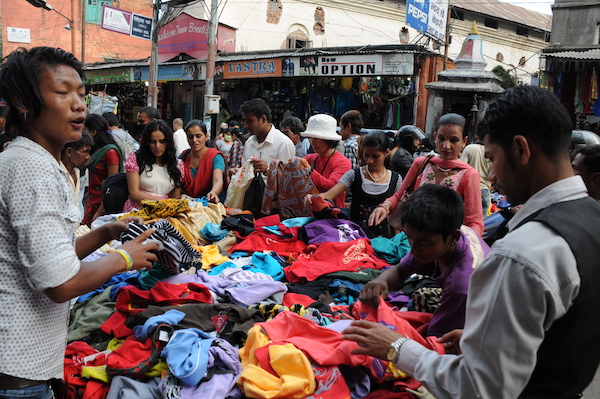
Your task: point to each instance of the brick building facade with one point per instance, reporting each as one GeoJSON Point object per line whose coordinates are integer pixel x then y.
{"type": "Point", "coordinates": [49, 28]}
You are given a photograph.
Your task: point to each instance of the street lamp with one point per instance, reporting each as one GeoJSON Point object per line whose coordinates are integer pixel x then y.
{"type": "Point", "coordinates": [71, 27]}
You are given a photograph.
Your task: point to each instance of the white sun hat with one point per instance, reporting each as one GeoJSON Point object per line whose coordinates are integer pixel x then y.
{"type": "Point", "coordinates": [322, 126]}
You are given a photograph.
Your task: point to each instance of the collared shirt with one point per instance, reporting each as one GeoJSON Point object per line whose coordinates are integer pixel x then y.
{"type": "Point", "coordinates": [300, 151]}
{"type": "Point", "coordinates": [474, 155]}
{"type": "Point", "coordinates": [275, 146]}
{"type": "Point", "coordinates": [181, 143]}
{"type": "Point", "coordinates": [528, 281]}
{"type": "Point", "coordinates": [351, 150]}
{"type": "Point", "coordinates": [76, 187]}
{"type": "Point", "coordinates": [37, 251]}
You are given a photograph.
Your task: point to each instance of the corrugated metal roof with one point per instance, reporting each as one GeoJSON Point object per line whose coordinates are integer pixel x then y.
{"type": "Point", "coordinates": [262, 54]}
{"type": "Point", "coordinates": [368, 49]}
{"type": "Point", "coordinates": [508, 12]}
{"type": "Point", "coordinates": [583, 54]}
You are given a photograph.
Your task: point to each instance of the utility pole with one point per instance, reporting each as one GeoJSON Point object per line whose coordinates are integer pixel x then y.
{"type": "Point", "coordinates": [447, 37]}
{"type": "Point", "coordinates": [212, 51]}
{"type": "Point", "coordinates": [83, 31]}
{"type": "Point", "coordinates": [152, 86]}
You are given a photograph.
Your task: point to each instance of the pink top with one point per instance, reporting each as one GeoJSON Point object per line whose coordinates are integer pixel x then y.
{"type": "Point", "coordinates": [327, 171]}
{"type": "Point", "coordinates": [465, 183]}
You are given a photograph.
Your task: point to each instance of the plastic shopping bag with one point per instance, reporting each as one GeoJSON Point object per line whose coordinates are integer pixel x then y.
{"type": "Point", "coordinates": [239, 185]}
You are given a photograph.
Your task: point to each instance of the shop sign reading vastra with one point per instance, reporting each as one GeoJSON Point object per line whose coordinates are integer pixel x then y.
{"type": "Point", "coordinates": [252, 69]}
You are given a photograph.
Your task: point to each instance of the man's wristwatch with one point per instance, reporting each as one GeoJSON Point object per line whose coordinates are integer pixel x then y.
{"type": "Point", "coordinates": [394, 350]}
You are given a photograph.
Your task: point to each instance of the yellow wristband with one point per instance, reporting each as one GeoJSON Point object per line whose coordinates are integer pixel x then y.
{"type": "Point", "coordinates": [127, 258]}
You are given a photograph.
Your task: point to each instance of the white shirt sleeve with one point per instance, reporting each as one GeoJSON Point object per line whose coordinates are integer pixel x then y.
{"type": "Point", "coordinates": [514, 296]}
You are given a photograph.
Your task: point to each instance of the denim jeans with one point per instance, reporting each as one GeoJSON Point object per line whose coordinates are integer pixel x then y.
{"type": "Point", "coordinates": [36, 392]}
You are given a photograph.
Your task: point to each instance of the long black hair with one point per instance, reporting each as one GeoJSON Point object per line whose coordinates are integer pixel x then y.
{"type": "Point", "coordinates": [98, 124]}
{"type": "Point", "coordinates": [145, 157]}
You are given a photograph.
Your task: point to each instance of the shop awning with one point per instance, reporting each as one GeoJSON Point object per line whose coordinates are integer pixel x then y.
{"type": "Point", "coordinates": [582, 54]}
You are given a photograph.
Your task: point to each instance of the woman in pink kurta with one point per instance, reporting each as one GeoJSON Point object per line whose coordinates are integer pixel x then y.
{"type": "Point", "coordinates": [446, 169]}
{"type": "Point", "coordinates": [327, 164]}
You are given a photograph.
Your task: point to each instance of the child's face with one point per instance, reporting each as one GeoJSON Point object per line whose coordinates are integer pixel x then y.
{"type": "Point", "coordinates": [63, 111]}
{"type": "Point", "coordinates": [427, 246]}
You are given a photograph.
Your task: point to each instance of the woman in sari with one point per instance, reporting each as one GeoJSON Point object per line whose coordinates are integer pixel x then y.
{"type": "Point", "coordinates": [203, 167]}
{"type": "Point", "coordinates": [446, 169]}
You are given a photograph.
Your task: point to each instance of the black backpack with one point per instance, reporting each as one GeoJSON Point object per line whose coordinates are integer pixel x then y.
{"type": "Point", "coordinates": [115, 192]}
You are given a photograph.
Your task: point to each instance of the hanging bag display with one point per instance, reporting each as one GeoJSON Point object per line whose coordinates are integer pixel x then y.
{"type": "Point", "coordinates": [239, 185]}
{"type": "Point", "coordinates": [394, 216]}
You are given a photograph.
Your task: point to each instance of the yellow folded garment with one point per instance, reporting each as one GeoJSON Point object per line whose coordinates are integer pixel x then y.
{"type": "Point", "coordinates": [96, 372]}
{"type": "Point", "coordinates": [294, 375]}
{"type": "Point", "coordinates": [211, 256]}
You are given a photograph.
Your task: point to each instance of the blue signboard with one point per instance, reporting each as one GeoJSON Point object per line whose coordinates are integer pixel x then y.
{"type": "Point", "coordinates": [428, 17]}
{"type": "Point", "coordinates": [417, 12]}
{"type": "Point", "coordinates": [141, 26]}
{"type": "Point", "coordinates": [165, 72]}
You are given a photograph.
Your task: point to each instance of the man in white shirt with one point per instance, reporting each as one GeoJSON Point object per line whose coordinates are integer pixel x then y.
{"type": "Point", "coordinates": [180, 137]}
{"type": "Point", "coordinates": [266, 142]}
{"type": "Point", "coordinates": [532, 325]}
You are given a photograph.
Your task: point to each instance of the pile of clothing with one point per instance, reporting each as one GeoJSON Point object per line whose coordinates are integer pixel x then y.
{"type": "Point", "coordinates": [236, 308]}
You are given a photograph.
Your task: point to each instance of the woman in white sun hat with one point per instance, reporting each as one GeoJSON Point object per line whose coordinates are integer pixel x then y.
{"type": "Point", "coordinates": [327, 164]}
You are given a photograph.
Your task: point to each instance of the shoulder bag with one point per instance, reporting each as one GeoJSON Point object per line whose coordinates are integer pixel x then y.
{"type": "Point", "coordinates": [394, 216]}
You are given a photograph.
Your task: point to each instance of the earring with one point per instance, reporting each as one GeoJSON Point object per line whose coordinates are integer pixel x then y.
{"type": "Point", "coordinates": [452, 243]}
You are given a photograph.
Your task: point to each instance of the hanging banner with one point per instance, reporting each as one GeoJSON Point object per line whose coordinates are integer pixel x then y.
{"type": "Point", "coordinates": [252, 69]}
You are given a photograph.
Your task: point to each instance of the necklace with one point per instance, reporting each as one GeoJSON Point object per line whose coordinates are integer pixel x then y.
{"type": "Point", "coordinates": [326, 162]}
{"type": "Point", "coordinates": [374, 179]}
{"type": "Point", "coordinates": [446, 171]}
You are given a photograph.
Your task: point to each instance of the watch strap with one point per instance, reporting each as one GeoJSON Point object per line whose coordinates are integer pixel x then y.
{"type": "Point", "coordinates": [397, 344]}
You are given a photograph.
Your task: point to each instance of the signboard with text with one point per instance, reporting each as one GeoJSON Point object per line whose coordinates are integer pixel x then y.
{"type": "Point", "coordinates": [141, 26]}
{"type": "Point", "coordinates": [252, 69]}
{"type": "Point", "coordinates": [428, 17]}
{"type": "Point", "coordinates": [398, 64]}
{"type": "Point", "coordinates": [347, 65]}
{"type": "Point", "coordinates": [189, 35]}
{"type": "Point", "coordinates": [125, 22]}
{"type": "Point", "coordinates": [114, 75]}
{"type": "Point", "coordinates": [18, 35]}
{"type": "Point", "coordinates": [116, 20]}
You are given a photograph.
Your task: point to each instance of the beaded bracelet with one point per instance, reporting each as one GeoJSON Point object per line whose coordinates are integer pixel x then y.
{"type": "Point", "coordinates": [127, 258]}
